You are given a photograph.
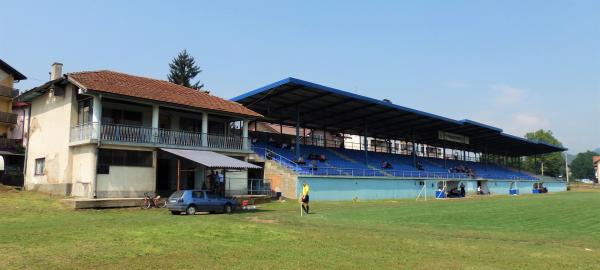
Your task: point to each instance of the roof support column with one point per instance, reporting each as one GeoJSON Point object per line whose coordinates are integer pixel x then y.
{"type": "Point", "coordinates": [444, 156]}
{"type": "Point", "coordinates": [155, 115]}
{"type": "Point", "coordinates": [414, 151]}
{"type": "Point", "coordinates": [297, 133]}
{"type": "Point", "coordinates": [96, 115]}
{"type": "Point", "coordinates": [204, 130]}
{"type": "Point", "coordinates": [324, 137]}
{"type": "Point", "coordinates": [304, 136]}
{"type": "Point", "coordinates": [365, 145]}
{"type": "Point", "coordinates": [245, 134]}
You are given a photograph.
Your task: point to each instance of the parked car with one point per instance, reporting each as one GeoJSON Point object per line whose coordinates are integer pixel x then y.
{"type": "Point", "coordinates": [192, 201]}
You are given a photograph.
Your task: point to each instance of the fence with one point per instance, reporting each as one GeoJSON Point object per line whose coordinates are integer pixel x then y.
{"type": "Point", "coordinates": [155, 136]}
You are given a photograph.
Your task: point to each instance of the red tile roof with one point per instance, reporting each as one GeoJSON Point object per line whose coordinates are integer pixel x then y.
{"type": "Point", "coordinates": [151, 89]}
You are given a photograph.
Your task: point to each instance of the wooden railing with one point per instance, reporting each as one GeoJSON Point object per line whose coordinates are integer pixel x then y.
{"type": "Point", "coordinates": [156, 136]}
{"type": "Point", "coordinates": [6, 143]}
{"type": "Point", "coordinates": [6, 117]}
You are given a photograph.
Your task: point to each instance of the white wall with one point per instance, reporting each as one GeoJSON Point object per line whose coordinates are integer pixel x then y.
{"type": "Point", "coordinates": [51, 118]}
{"type": "Point", "coordinates": [84, 170]}
{"type": "Point", "coordinates": [236, 182]}
{"type": "Point", "coordinates": [126, 182]}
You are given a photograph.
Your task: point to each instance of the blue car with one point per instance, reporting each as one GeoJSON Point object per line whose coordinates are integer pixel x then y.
{"type": "Point", "coordinates": [192, 201]}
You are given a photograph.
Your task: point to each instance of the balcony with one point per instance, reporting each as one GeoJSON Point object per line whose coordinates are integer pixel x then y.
{"type": "Point", "coordinates": [8, 92]}
{"type": "Point", "coordinates": [9, 118]}
{"type": "Point", "coordinates": [6, 143]}
{"type": "Point", "coordinates": [156, 137]}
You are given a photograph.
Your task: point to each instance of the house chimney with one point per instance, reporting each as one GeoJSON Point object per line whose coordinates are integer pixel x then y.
{"type": "Point", "coordinates": [56, 71]}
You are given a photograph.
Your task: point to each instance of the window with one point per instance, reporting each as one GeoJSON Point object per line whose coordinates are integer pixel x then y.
{"type": "Point", "coordinates": [84, 111]}
{"type": "Point", "coordinates": [197, 195]}
{"type": "Point", "coordinates": [114, 157]}
{"type": "Point", "coordinates": [122, 117]}
{"type": "Point", "coordinates": [39, 166]}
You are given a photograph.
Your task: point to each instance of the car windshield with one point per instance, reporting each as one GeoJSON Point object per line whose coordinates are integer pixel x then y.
{"type": "Point", "coordinates": [176, 194]}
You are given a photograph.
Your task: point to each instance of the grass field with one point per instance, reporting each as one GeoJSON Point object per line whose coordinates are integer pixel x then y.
{"type": "Point", "coordinates": [551, 231]}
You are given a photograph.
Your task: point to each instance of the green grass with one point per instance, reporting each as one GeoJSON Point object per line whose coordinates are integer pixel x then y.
{"type": "Point", "coordinates": [551, 231]}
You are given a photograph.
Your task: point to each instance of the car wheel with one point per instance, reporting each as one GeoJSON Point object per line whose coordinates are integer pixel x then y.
{"type": "Point", "coordinates": [191, 210]}
{"type": "Point", "coordinates": [228, 208]}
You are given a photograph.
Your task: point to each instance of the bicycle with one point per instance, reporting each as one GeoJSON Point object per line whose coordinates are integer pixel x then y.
{"type": "Point", "coordinates": [150, 200]}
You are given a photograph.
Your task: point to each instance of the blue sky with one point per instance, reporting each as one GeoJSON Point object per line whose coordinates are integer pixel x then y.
{"type": "Point", "coordinates": [518, 65]}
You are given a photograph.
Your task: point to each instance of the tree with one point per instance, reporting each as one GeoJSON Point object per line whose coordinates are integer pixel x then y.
{"type": "Point", "coordinates": [554, 163]}
{"type": "Point", "coordinates": [183, 69]}
{"type": "Point", "coordinates": [582, 166]}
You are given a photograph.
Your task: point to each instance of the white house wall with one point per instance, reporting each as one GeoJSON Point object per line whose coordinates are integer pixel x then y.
{"type": "Point", "coordinates": [51, 118]}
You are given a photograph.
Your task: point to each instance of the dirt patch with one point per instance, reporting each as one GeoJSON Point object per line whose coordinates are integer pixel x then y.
{"type": "Point", "coordinates": [4, 188]}
{"type": "Point", "coordinates": [264, 221]}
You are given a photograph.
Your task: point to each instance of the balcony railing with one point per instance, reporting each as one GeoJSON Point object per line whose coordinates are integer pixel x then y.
{"type": "Point", "coordinates": [6, 143]}
{"type": "Point", "coordinates": [10, 118]}
{"type": "Point", "coordinates": [155, 136]}
{"type": "Point", "coordinates": [8, 92]}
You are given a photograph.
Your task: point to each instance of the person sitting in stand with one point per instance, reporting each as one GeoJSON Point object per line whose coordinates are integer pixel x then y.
{"type": "Point", "coordinates": [269, 155]}
{"type": "Point", "coordinates": [420, 166]}
{"type": "Point", "coordinates": [386, 165]}
{"type": "Point", "coordinates": [284, 145]}
{"type": "Point", "coordinates": [300, 160]}
{"type": "Point", "coordinates": [322, 158]}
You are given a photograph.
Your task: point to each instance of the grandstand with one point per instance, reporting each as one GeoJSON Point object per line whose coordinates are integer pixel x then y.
{"type": "Point", "coordinates": [374, 149]}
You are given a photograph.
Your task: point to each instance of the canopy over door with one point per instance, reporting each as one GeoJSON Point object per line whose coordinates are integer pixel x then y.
{"type": "Point", "coordinates": [211, 159]}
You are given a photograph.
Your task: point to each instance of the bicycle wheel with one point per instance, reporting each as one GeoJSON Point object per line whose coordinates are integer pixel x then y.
{"type": "Point", "coordinates": [146, 204]}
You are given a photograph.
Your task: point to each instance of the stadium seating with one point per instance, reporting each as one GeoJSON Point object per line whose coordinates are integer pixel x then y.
{"type": "Point", "coordinates": [342, 161]}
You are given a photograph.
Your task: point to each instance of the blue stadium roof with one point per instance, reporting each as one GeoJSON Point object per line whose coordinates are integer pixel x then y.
{"type": "Point", "coordinates": [322, 107]}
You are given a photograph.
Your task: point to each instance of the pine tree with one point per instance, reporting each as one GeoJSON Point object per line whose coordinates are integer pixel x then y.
{"type": "Point", "coordinates": [183, 69]}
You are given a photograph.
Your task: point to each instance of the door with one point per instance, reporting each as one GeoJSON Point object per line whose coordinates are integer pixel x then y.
{"type": "Point", "coordinates": [214, 202]}
{"type": "Point", "coordinates": [200, 201]}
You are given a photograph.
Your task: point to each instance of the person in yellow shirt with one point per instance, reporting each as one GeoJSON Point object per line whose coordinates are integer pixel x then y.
{"type": "Point", "coordinates": [305, 197]}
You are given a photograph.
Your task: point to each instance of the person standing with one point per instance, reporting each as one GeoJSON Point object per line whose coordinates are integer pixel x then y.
{"type": "Point", "coordinates": [305, 197]}
{"type": "Point", "coordinates": [221, 179]}
{"type": "Point", "coordinates": [462, 190]}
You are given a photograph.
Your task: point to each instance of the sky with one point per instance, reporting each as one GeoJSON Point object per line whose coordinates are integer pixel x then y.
{"type": "Point", "coordinates": [517, 65]}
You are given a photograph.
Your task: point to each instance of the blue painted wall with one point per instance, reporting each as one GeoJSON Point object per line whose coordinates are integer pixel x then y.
{"type": "Point", "coordinates": [365, 188]}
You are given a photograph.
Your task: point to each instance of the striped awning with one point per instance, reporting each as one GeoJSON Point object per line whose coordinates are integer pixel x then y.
{"type": "Point", "coordinates": [211, 159]}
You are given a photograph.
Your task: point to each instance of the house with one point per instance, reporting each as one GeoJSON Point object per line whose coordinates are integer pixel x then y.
{"type": "Point", "coordinates": [106, 134]}
{"type": "Point", "coordinates": [11, 149]}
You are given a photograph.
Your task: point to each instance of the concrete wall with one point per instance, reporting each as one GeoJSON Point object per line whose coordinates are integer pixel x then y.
{"type": "Point", "coordinates": [556, 186]}
{"type": "Point", "coordinates": [84, 170]}
{"type": "Point", "coordinates": [236, 182]}
{"type": "Point", "coordinates": [282, 179]}
{"type": "Point", "coordinates": [126, 182]}
{"type": "Point", "coordinates": [6, 79]}
{"type": "Point", "coordinates": [371, 188]}
{"type": "Point", "coordinates": [51, 119]}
